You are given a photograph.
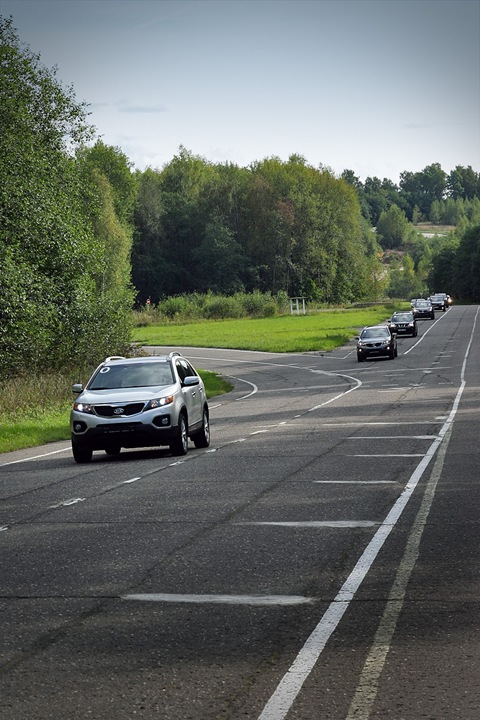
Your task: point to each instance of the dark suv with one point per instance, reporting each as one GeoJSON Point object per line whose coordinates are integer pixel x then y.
{"type": "Point", "coordinates": [423, 309]}
{"type": "Point", "coordinates": [140, 402]}
{"type": "Point", "coordinates": [375, 341]}
{"type": "Point", "coordinates": [403, 323]}
{"type": "Point", "coordinates": [439, 301]}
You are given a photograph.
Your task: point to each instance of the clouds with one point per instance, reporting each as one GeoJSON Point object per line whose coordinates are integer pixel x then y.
{"type": "Point", "coordinates": [377, 86]}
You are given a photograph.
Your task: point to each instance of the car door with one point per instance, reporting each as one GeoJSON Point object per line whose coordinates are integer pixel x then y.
{"type": "Point", "coordinates": [192, 393]}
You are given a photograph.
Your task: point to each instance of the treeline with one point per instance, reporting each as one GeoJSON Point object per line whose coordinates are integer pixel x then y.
{"type": "Point", "coordinates": [84, 238]}
{"type": "Point", "coordinates": [274, 226]}
{"type": "Point", "coordinates": [288, 227]}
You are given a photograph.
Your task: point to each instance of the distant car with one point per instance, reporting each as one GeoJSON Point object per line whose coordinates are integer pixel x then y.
{"type": "Point", "coordinates": [423, 309]}
{"type": "Point", "coordinates": [140, 402]}
{"type": "Point", "coordinates": [376, 341]}
{"type": "Point", "coordinates": [448, 299]}
{"type": "Point", "coordinates": [403, 323]}
{"type": "Point", "coordinates": [439, 301]}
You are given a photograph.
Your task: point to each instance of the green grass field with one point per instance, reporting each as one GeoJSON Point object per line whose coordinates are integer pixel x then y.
{"type": "Point", "coordinates": [324, 331]}
{"type": "Point", "coordinates": [35, 410]}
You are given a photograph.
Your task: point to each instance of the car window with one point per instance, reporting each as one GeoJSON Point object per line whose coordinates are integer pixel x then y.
{"type": "Point", "coordinates": [184, 369]}
{"type": "Point", "coordinates": [373, 333]}
{"type": "Point", "coordinates": [134, 375]}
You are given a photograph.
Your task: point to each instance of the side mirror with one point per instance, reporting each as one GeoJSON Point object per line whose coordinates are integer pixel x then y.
{"type": "Point", "coordinates": [77, 388]}
{"type": "Point", "coordinates": [191, 380]}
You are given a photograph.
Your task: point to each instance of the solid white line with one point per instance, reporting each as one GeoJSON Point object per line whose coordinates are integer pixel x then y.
{"type": "Point", "coordinates": [316, 523]}
{"type": "Point", "coordinates": [387, 455]}
{"type": "Point", "coordinates": [37, 457]}
{"type": "Point", "coordinates": [356, 482]}
{"type": "Point", "coordinates": [221, 599]}
{"type": "Point", "coordinates": [254, 391]}
{"type": "Point", "coordinates": [392, 437]}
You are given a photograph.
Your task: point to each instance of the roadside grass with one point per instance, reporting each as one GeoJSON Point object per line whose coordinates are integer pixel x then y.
{"type": "Point", "coordinates": [34, 410]}
{"type": "Point", "coordinates": [321, 331]}
{"type": "Point", "coordinates": [33, 423]}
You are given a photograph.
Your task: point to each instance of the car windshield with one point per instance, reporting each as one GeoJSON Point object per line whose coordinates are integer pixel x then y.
{"type": "Point", "coordinates": [130, 376]}
{"type": "Point", "coordinates": [423, 303]}
{"type": "Point", "coordinates": [370, 333]}
{"type": "Point", "coordinates": [403, 317]}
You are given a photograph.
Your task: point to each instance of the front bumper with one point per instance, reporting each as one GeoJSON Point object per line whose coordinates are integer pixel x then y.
{"type": "Point", "coordinates": [95, 433]}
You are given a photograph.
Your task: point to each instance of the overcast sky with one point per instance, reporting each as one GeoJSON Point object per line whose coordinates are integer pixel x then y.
{"type": "Point", "coordinates": [375, 86]}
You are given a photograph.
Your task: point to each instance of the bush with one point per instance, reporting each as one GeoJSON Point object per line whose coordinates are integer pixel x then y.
{"type": "Point", "coordinates": [220, 308]}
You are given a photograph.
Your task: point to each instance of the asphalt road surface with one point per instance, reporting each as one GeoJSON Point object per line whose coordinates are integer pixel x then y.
{"type": "Point", "coordinates": [319, 561]}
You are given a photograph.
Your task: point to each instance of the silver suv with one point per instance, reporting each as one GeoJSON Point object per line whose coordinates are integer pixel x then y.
{"type": "Point", "coordinates": [140, 402]}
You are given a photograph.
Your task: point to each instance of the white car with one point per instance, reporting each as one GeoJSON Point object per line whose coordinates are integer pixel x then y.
{"type": "Point", "coordinates": [140, 402]}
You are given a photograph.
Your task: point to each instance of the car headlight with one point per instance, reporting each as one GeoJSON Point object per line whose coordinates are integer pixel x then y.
{"type": "Point", "coordinates": [84, 408]}
{"type": "Point", "coordinates": [159, 402]}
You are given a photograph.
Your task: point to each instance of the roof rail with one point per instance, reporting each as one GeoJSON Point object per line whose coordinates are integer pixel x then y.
{"type": "Point", "coordinates": [114, 357]}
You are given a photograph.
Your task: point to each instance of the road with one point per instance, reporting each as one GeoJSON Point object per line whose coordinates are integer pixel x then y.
{"type": "Point", "coordinates": [320, 561]}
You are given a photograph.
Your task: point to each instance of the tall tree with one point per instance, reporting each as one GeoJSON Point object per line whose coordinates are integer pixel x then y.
{"type": "Point", "coordinates": [421, 189]}
{"type": "Point", "coordinates": [49, 256]}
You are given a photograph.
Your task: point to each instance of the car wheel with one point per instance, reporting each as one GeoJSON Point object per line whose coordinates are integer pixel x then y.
{"type": "Point", "coordinates": [81, 453]}
{"type": "Point", "coordinates": [202, 439]}
{"type": "Point", "coordinates": [391, 354]}
{"type": "Point", "coordinates": [179, 445]}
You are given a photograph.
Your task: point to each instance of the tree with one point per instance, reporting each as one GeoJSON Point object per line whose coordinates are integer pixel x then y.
{"type": "Point", "coordinates": [467, 266]}
{"type": "Point", "coordinates": [403, 283]}
{"type": "Point", "coordinates": [463, 183]}
{"type": "Point", "coordinates": [392, 228]}
{"type": "Point", "coordinates": [49, 256]}
{"type": "Point", "coordinates": [421, 189]}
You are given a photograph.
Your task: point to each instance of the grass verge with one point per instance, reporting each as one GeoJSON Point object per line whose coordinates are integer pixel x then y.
{"type": "Point", "coordinates": [19, 430]}
{"type": "Point", "coordinates": [324, 330]}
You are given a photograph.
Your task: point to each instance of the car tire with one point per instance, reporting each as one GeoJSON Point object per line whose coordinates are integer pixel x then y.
{"type": "Point", "coordinates": [202, 439]}
{"type": "Point", "coordinates": [360, 359]}
{"type": "Point", "coordinates": [391, 354]}
{"type": "Point", "coordinates": [81, 453]}
{"type": "Point", "coordinates": [179, 445]}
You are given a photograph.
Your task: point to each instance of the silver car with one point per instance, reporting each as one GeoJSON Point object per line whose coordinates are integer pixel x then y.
{"type": "Point", "coordinates": [140, 402]}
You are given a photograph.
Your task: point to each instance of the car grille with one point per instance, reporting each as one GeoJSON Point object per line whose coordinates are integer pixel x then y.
{"type": "Point", "coordinates": [123, 428]}
{"type": "Point", "coordinates": [113, 410]}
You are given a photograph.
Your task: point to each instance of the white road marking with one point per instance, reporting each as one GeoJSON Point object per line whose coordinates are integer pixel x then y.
{"type": "Point", "coordinates": [221, 599]}
{"type": "Point", "coordinates": [37, 457]}
{"type": "Point", "coordinates": [132, 480]}
{"type": "Point", "coordinates": [392, 437]}
{"type": "Point", "coordinates": [315, 523]}
{"type": "Point", "coordinates": [67, 503]}
{"type": "Point", "coordinates": [356, 482]}
{"type": "Point", "coordinates": [388, 455]}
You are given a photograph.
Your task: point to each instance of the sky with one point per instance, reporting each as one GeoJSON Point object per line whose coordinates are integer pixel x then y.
{"type": "Point", "coordinates": [375, 86]}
